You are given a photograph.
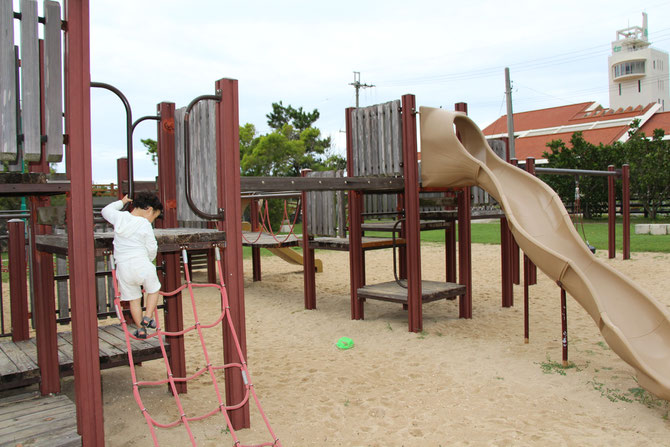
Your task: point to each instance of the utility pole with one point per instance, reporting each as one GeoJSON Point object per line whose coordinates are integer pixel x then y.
{"type": "Point", "coordinates": [510, 115]}
{"type": "Point", "coordinates": [357, 84]}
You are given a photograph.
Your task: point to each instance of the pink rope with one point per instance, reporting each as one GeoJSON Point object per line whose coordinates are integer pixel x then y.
{"type": "Point", "coordinates": [171, 380]}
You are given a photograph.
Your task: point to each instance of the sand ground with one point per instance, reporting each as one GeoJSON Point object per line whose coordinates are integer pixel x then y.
{"type": "Point", "coordinates": [459, 382]}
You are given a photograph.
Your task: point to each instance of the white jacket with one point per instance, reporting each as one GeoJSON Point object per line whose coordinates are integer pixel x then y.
{"type": "Point", "coordinates": [133, 235]}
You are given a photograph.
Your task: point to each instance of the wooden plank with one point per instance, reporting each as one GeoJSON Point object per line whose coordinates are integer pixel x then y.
{"type": "Point", "coordinates": [8, 100]}
{"type": "Point", "coordinates": [17, 356]}
{"type": "Point", "coordinates": [30, 82]}
{"type": "Point", "coordinates": [7, 365]}
{"type": "Point", "coordinates": [396, 137]}
{"type": "Point", "coordinates": [266, 240]}
{"type": "Point", "coordinates": [431, 291]}
{"type": "Point", "coordinates": [100, 285]}
{"type": "Point", "coordinates": [62, 287]}
{"type": "Point", "coordinates": [53, 81]}
{"type": "Point", "coordinates": [341, 206]}
{"type": "Point", "coordinates": [368, 184]}
{"type": "Point", "coordinates": [39, 421]}
{"type": "Point", "coordinates": [381, 138]}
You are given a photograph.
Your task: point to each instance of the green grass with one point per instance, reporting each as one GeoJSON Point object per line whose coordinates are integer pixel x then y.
{"type": "Point", "coordinates": [595, 230]}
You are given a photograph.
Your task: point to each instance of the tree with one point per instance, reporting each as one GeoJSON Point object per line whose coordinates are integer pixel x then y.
{"type": "Point", "coordinates": [152, 149]}
{"type": "Point", "coordinates": [582, 155]}
{"type": "Point", "coordinates": [649, 160]}
{"type": "Point", "coordinates": [295, 144]}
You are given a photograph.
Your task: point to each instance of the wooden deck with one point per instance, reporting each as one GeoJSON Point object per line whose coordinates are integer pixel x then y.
{"type": "Point", "coordinates": [30, 420]}
{"type": "Point", "coordinates": [342, 243]}
{"type": "Point", "coordinates": [430, 291]}
{"type": "Point", "coordinates": [18, 360]}
{"type": "Point", "coordinates": [266, 240]}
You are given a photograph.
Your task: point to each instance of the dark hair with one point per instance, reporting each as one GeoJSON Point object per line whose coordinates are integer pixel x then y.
{"type": "Point", "coordinates": [145, 199]}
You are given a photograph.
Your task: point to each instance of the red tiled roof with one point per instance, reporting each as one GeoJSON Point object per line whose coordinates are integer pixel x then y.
{"type": "Point", "coordinates": [562, 116]}
{"type": "Point", "coordinates": [536, 145]}
{"type": "Point", "coordinates": [659, 120]}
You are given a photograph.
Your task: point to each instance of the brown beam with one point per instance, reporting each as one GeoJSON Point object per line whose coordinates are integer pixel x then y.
{"type": "Point", "coordinates": [80, 224]}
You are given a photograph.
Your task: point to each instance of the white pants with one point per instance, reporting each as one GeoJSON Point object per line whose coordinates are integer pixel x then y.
{"type": "Point", "coordinates": [133, 274]}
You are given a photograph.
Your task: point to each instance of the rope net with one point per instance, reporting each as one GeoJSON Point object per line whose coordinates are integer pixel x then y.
{"type": "Point", "coordinates": [209, 368]}
{"type": "Point", "coordinates": [266, 226]}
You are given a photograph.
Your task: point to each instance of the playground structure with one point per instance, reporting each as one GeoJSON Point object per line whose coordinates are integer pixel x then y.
{"type": "Point", "coordinates": [42, 109]}
{"type": "Point", "coordinates": [403, 179]}
{"type": "Point", "coordinates": [632, 322]}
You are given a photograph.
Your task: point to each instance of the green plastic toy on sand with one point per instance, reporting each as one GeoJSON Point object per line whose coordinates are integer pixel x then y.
{"type": "Point", "coordinates": [344, 343]}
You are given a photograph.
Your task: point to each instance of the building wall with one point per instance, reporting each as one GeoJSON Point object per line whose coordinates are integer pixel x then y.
{"type": "Point", "coordinates": [634, 88]}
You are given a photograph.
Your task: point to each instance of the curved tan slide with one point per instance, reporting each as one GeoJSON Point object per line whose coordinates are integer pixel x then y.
{"type": "Point", "coordinates": [632, 322]}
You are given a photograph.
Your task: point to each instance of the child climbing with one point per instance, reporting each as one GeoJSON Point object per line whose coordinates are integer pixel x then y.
{"type": "Point", "coordinates": [135, 249]}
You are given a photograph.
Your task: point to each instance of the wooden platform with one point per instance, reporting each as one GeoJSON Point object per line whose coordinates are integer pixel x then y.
{"type": "Point", "coordinates": [425, 225]}
{"type": "Point", "coordinates": [342, 243]}
{"type": "Point", "coordinates": [18, 360]}
{"type": "Point", "coordinates": [430, 291]}
{"type": "Point", "coordinates": [169, 240]}
{"type": "Point", "coordinates": [266, 240]}
{"type": "Point", "coordinates": [35, 421]}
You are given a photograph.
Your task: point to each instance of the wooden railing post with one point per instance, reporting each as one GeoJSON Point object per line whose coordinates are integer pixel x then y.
{"type": "Point", "coordinates": [18, 290]}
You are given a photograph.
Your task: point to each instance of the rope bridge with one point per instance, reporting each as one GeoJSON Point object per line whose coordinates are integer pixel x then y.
{"type": "Point", "coordinates": [222, 408]}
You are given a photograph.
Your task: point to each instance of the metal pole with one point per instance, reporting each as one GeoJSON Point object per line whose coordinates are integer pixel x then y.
{"type": "Point", "coordinates": [611, 215]}
{"type": "Point", "coordinates": [510, 114]}
{"type": "Point", "coordinates": [625, 206]}
{"type": "Point", "coordinates": [564, 327]}
{"type": "Point", "coordinates": [309, 280]}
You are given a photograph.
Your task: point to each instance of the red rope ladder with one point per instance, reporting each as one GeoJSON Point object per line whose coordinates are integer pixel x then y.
{"type": "Point", "coordinates": [197, 326]}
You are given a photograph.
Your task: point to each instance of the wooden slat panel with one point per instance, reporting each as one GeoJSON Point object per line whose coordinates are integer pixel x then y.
{"type": "Point", "coordinates": [396, 135]}
{"type": "Point", "coordinates": [341, 206]}
{"type": "Point", "coordinates": [30, 82]}
{"type": "Point", "coordinates": [8, 130]}
{"type": "Point", "coordinates": [53, 81]}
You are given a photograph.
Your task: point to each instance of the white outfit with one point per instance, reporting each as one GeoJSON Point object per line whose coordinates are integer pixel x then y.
{"type": "Point", "coordinates": [135, 248]}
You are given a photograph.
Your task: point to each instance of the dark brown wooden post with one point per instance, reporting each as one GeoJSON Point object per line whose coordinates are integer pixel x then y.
{"type": "Point", "coordinates": [450, 246]}
{"type": "Point", "coordinates": [167, 192]}
{"type": "Point", "coordinates": [18, 291]}
{"type": "Point", "coordinates": [412, 215]}
{"type": "Point", "coordinates": [514, 249]}
{"type": "Point", "coordinates": [625, 209]}
{"type": "Point", "coordinates": [506, 264]}
{"type": "Point", "coordinates": [121, 175]}
{"type": "Point", "coordinates": [44, 309]}
{"type": "Point", "coordinates": [355, 231]}
{"type": "Point", "coordinates": [309, 279]}
{"type": "Point", "coordinates": [228, 195]}
{"type": "Point", "coordinates": [611, 215]}
{"type": "Point", "coordinates": [79, 201]}
{"type": "Point", "coordinates": [255, 251]}
{"type": "Point", "coordinates": [464, 242]}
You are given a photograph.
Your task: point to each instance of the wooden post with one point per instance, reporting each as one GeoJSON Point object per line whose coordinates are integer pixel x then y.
{"type": "Point", "coordinates": [255, 251]}
{"type": "Point", "coordinates": [412, 215]}
{"type": "Point", "coordinates": [625, 209]}
{"type": "Point", "coordinates": [167, 192]}
{"type": "Point", "coordinates": [506, 264]}
{"type": "Point", "coordinates": [450, 247]}
{"type": "Point", "coordinates": [18, 291]}
{"type": "Point", "coordinates": [355, 231]}
{"type": "Point", "coordinates": [526, 298]}
{"type": "Point", "coordinates": [228, 197]}
{"type": "Point", "coordinates": [79, 201]}
{"type": "Point", "coordinates": [46, 333]}
{"type": "Point", "coordinates": [464, 242]}
{"type": "Point", "coordinates": [121, 175]}
{"type": "Point", "coordinates": [611, 215]}
{"type": "Point", "coordinates": [309, 279]}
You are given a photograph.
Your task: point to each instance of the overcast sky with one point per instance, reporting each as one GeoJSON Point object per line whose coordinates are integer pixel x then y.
{"type": "Point", "coordinates": [304, 53]}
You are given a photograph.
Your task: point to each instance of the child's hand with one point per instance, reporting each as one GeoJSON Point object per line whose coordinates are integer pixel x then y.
{"type": "Point", "coordinates": [126, 199]}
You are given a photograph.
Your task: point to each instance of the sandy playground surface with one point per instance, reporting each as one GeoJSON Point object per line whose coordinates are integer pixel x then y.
{"type": "Point", "coordinates": [460, 382]}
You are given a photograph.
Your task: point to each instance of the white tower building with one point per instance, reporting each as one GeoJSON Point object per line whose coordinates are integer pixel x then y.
{"type": "Point", "coordinates": [638, 73]}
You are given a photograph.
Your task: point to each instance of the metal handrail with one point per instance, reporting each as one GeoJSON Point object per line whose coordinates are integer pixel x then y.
{"type": "Point", "coordinates": [129, 130]}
